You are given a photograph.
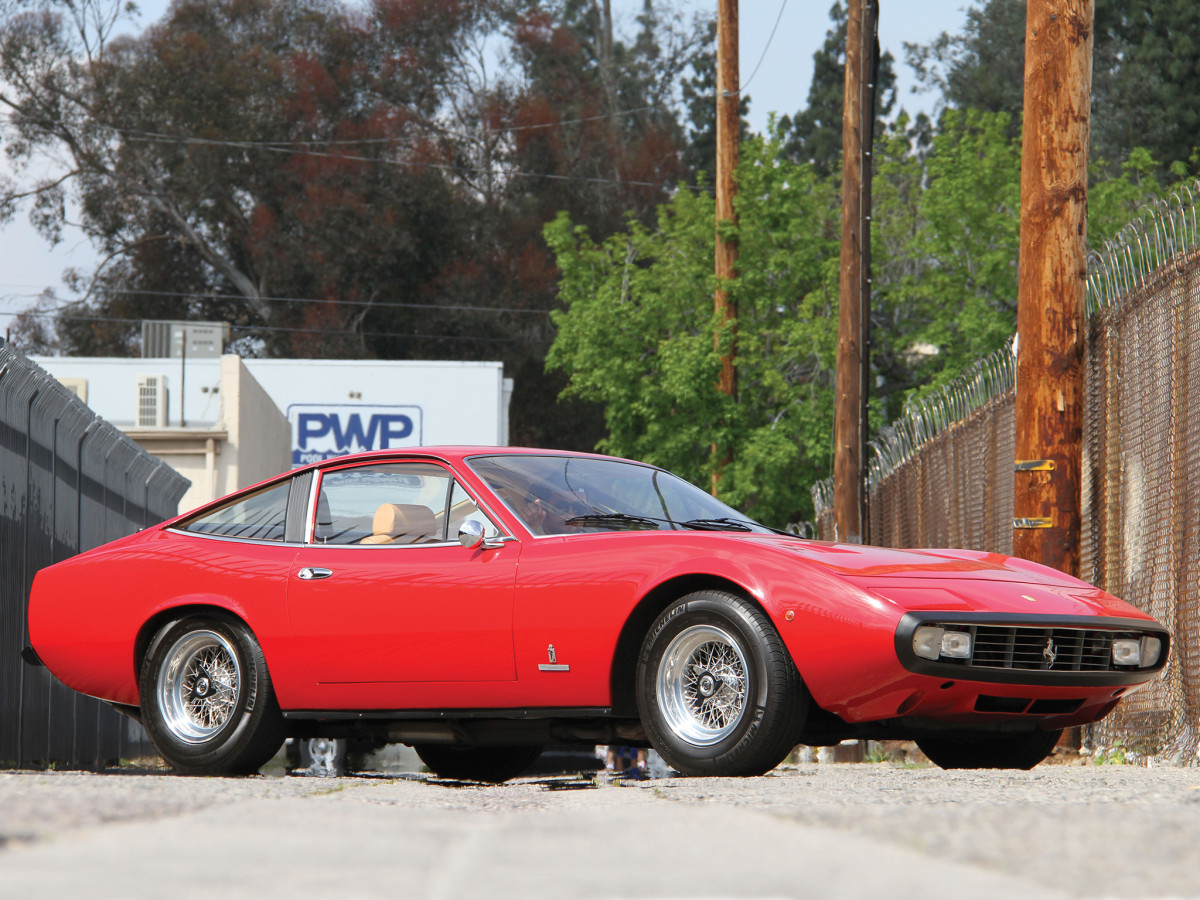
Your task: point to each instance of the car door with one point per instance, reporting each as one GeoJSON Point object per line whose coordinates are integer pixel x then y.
{"type": "Point", "coordinates": [383, 592]}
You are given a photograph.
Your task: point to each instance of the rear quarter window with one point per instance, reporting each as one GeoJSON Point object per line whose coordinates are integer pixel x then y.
{"type": "Point", "coordinates": [261, 516]}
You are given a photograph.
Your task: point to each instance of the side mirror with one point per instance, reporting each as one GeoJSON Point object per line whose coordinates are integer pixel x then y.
{"type": "Point", "coordinates": [470, 534]}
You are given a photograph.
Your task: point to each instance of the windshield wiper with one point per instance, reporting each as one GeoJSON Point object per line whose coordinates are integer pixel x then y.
{"type": "Point", "coordinates": [721, 524]}
{"type": "Point", "coordinates": [613, 518]}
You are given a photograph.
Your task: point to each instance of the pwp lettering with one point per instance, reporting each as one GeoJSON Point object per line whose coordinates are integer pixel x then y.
{"type": "Point", "coordinates": [324, 431]}
{"type": "Point", "coordinates": [378, 434]}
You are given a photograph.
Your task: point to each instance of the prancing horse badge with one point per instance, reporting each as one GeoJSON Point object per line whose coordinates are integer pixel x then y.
{"type": "Point", "coordinates": [553, 665]}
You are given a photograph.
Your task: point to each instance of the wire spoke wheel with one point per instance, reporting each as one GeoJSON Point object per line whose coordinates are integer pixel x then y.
{"type": "Point", "coordinates": [702, 685]}
{"type": "Point", "coordinates": [206, 697]}
{"type": "Point", "coordinates": [199, 685]}
{"type": "Point", "coordinates": [716, 690]}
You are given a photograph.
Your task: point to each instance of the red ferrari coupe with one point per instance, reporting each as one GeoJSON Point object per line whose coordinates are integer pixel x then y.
{"type": "Point", "coordinates": [479, 603]}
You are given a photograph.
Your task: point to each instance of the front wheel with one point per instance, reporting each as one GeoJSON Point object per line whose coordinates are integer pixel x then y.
{"type": "Point", "coordinates": [206, 696]}
{"type": "Point", "coordinates": [999, 751]}
{"type": "Point", "coordinates": [490, 764]}
{"type": "Point", "coordinates": [717, 692]}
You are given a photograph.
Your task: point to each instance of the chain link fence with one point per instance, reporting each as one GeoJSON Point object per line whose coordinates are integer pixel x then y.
{"type": "Point", "coordinates": [942, 476]}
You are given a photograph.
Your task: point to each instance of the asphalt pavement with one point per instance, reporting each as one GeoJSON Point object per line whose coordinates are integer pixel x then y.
{"type": "Point", "coordinates": [812, 830]}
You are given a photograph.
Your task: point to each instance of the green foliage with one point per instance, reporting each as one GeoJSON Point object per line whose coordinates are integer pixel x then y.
{"type": "Point", "coordinates": [944, 241]}
{"type": "Point", "coordinates": [638, 335]}
{"type": "Point", "coordinates": [1116, 755]}
{"type": "Point", "coordinates": [1113, 201]}
{"type": "Point", "coordinates": [1145, 73]}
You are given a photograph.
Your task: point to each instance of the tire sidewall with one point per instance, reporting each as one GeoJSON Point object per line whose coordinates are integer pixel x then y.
{"type": "Point", "coordinates": [732, 616]}
{"type": "Point", "coordinates": [220, 751]}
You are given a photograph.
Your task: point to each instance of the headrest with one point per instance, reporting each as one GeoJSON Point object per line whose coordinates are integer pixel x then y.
{"type": "Point", "coordinates": [400, 519]}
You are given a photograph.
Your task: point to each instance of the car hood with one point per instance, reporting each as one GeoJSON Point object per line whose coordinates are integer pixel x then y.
{"type": "Point", "coordinates": [859, 562]}
{"type": "Point", "coordinates": [965, 580]}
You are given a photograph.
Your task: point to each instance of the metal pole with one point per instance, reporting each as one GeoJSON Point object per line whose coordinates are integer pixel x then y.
{"type": "Point", "coordinates": [1051, 282]}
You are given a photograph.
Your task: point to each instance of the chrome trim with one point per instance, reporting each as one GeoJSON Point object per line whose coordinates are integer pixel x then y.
{"type": "Point", "coordinates": [553, 667]}
{"type": "Point", "coordinates": [227, 538]}
{"type": "Point", "coordinates": [321, 469]}
{"type": "Point", "coordinates": [310, 514]}
{"type": "Point", "coordinates": [314, 573]}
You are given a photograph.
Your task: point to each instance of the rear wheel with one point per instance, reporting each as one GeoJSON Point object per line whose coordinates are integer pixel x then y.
{"type": "Point", "coordinates": [490, 764]}
{"type": "Point", "coordinates": [998, 751]}
{"type": "Point", "coordinates": [206, 696]}
{"type": "Point", "coordinates": [717, 692]}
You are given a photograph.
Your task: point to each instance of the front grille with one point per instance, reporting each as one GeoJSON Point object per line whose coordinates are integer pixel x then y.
{"type": "Point", "coordinates": [1042, 649]}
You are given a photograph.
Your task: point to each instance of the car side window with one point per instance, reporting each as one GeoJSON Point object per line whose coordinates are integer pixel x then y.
{"type": "Point", "coordinates": [261, 516]}
{"type": "Point", "coordinates": [392, 504]}
{"type": "Point", "coordinates": [464, 509]}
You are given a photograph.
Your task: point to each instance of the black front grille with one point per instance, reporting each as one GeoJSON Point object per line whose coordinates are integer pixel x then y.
{"type": "Point", "coordinates": [1042, 649]}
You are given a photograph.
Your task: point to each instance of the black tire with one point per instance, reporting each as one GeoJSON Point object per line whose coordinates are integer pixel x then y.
{"type": "Point", "coordinates": [206, 697]}
{"type": "Point", "coordinates": [741, 719]}
{"type": "Point", "coordinates": [995, 751]}
{"type": "Point", "coordinates": [490, 764]}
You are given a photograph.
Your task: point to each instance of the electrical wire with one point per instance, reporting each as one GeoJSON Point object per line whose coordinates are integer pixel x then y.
{"type": "Point", "coordinates": [153, 138]}
{"type": "Point", "coordinates": [207, 295]}
{"type": "Point", "coordinates": [782, 7]}
{"type": "Point", "coordinates": [252, 330]}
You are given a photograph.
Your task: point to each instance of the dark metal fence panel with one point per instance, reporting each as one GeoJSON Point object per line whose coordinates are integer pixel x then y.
{"type": "Point", "coordinates": [68, 482]}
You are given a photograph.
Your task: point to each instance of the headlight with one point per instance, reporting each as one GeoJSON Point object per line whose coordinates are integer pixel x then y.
{"type": "Point", "coordinates": [1126, 651]}
{"type": "Point", "coordinates": [956, 645]}
{"type": "Point", "coordinates": [1151, 648]}
{"type": "Point", "coordinates": [933, 641]}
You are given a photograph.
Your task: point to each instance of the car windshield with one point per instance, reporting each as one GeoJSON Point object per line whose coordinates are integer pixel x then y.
{"type": "Point", "coordinates": [572, 494]}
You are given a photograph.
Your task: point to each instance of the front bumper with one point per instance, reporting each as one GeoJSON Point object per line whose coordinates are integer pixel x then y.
{"type": "Point", "coordinates": [1051, 651]}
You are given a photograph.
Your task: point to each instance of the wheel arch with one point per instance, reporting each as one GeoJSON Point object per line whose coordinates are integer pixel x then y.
{"type": "Point", "coordinates": [157, 622]}
{"type": "Point", "coordinates": [623, 674]}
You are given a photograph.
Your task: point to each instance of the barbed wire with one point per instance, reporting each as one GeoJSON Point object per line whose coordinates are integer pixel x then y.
{"type": "Point", "coordinates": [1163, 232]}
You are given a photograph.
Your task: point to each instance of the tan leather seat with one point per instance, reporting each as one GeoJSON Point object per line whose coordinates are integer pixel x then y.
{"type": "Point", "coordinates": [402, 523]}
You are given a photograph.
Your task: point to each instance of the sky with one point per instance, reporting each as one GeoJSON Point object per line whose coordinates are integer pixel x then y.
{"type": "Point", "coordinates": [777, 40]}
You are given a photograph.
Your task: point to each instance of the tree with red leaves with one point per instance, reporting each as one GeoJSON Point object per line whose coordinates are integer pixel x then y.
{"type": "Point", "coordinates": [341, 181]}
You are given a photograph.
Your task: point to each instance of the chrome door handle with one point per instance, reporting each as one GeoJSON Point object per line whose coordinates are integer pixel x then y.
{"type": "Point", "coordinates": [311, 573]}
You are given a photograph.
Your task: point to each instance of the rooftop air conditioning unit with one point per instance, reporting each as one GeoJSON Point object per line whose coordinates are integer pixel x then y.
{"type": "Point", "coordinates": [151, 401]}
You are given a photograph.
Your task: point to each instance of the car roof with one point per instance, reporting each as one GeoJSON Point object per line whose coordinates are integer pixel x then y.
{"type": "Point", "coordinates": [451, 454]}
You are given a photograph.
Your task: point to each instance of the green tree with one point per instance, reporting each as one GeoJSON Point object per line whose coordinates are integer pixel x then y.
{"type": "Point", "coordinates": [359, 159]}
{"type": "Point", "coordinates": [637, 334]}
{"type": "Point", "coordinates": [944, 238]}
{"type": "Point", "coordinates": [699, 97]}
{"type": "Point", "coordinates": [1145, 74]}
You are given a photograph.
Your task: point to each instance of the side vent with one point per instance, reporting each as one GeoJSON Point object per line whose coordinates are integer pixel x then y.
{"type": "Point", "coordinates": [151, 401]}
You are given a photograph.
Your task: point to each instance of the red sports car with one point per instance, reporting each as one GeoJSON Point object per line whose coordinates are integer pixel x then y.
{"type": "Point", "coordinates": [479, 603]}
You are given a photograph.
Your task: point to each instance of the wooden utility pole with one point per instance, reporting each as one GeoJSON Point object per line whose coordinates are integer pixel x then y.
{"type": "Point", "coordinates": [854, 290]}
{"type": "Point", "coordinates": [728, 121]}
{"type": "Point", "coordinates": [1051, 281]}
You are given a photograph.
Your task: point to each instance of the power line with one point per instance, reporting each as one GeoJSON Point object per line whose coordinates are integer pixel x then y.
{"type": "Point", "coordinates": [279, 329]}
{"type": "Point", "coordinates": [782, 7]}
{"type": "Point", "coordinates": [156, 138]}
{"type": "Point", "coordinates": [212, 295]}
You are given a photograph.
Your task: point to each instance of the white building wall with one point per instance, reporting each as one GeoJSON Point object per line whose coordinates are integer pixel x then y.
{"type": "Point", "coordinates": [460, 402]}
{"type": "Point", "coordinates": [259, 436]}
{"type": "Point", "coordinates": [226, 425]}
